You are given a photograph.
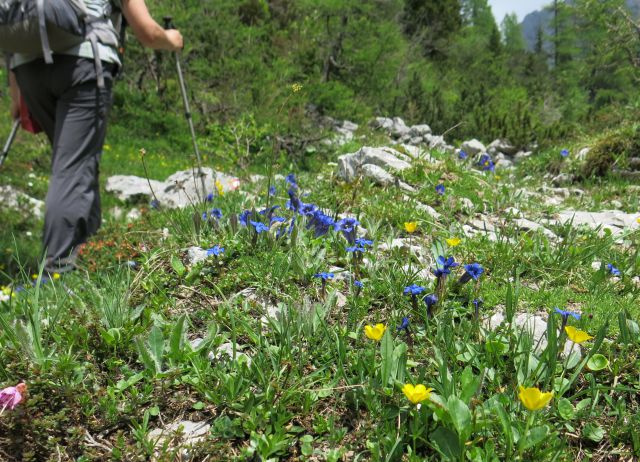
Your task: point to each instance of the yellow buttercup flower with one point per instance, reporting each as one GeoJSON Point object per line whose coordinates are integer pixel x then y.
{"type": "Point", "coordinates": [411, 226]}
{"type": "Point", "coordinates": [219, 187]}
{"type": "Point", "coordinates": [454, 241]}
{"type": "Point", "coordinates": [577, 335]}
{"type": "Point", "coordinates": [296, 87]}
{"type": "Point", "coordinates": [416, 394]}
{"type": "Point", "coordinates": [533, 399]}
{"type": "Point", "coordinates": [56, 276]}
{"type": "Point", "coordinates": [375, 332]}
{"type": "Point", "coordinates": [638, 220]}
{"type": "Point", "coordinates": [34, 276]}
{"type": "Point", "coordinates": [6, 290]}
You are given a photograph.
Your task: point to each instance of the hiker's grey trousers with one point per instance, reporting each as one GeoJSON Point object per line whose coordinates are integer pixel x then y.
{"type": "Point", "coordinates": [64, 99]}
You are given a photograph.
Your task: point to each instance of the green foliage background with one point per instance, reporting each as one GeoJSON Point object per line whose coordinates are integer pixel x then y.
{"type": "Point", "coordinates": [445, 63]}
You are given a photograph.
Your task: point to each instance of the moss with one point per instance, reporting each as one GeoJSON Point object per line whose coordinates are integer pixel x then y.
{"type": "Point", "coordinates": [614, 147]}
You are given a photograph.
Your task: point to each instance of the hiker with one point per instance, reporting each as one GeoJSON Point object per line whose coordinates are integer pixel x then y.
{"type": "Point", "coordinates": [70, 99]}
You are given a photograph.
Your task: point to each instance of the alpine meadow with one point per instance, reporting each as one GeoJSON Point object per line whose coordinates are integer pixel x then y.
{"type": "Point", "coordinates": [399, 230]}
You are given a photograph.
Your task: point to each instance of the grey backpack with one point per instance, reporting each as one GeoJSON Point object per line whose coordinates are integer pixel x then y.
{"type": "Point", "coordinates": [46, 26]}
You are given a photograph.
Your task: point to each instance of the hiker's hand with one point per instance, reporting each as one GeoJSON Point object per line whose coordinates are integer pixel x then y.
{"type": "Point", "coordinates": [174, 37]}
{"type": "Point", "coordinates": [15, 96]}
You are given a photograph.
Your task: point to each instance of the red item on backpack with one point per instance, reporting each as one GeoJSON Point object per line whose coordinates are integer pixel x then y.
{"type": "Point", "coordinates": [26, 120]}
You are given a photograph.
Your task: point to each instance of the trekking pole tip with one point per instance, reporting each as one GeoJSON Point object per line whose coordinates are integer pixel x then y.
{"type": "Point", "coordinates": [168, 22]}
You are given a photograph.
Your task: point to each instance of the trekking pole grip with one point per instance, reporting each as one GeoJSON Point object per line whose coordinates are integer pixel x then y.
{"type": "Point", "coordinates": [168, 22]}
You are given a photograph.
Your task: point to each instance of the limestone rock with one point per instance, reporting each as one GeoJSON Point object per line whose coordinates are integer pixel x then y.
{"type": "Point", "coordinates": [13, 199]}
{"type": "Point", "coordinates": [533, 324]}
{"type": "Point", "coordinates": [132, 188]}
{"type": "Point", "coordinates": [177, 191]}
{"type": "Point", "coordinates": [420, 130]}
{"type": "Point", "coordinates": [349, 165]}
{"type": "Point", "coordinates": [191, 433]}
{"type": "Point", "coordinates": [527, 225]}
{"type": "Point", "coordinates": [502, 146]}
{"type": "Point", "coordinates": [473, 147]}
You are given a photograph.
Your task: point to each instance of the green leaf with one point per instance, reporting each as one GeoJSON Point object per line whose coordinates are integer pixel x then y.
{"type": "Point", "coordinates": [469, 384]}
{"type": "Point", "coordinates": [496, 347]}
{"type": "Point", "coordinates": [505, 422]}
{"type": "Point", "coordinates": [460, 416]}
{"type": "Point", "coordinates": [156, 346]}
{"type": "Point", "coordinates": [176, 340]}
{"type": "Point", "coordinates": [593, 432]}
{"type": "Point", "coordinates": [446, 443]}
{"type": "Point", "coordinates": [597, 362]}
{"type": "Point", "coordinates": [177, 266]}
{"type": "Point", "coordinates": [566, 409]}
{"type": "Point", "coordinates": [198, 406]}
{"type": "Point", "coordinates": [536, 436]}
{"type": "Point", "coordinates": [145, 355]}
{"type": "Point", "coordinates": [386, 352]}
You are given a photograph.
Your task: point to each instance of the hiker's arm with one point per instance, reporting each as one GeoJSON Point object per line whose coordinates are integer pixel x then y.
{"type": "Point", "coordinates": [146, 30]}
{"type": "Point", "coordinates": [14, 91]}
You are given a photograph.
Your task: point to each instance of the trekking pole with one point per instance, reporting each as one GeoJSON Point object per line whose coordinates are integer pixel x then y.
{"type": "Point", "coordinates": [7, 145]}
{"type": "Point", "coordinates": [168, 24]}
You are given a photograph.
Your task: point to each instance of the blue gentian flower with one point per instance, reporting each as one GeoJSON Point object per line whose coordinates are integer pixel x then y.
{"type": "Point", "coordinates": [308, 209]}
{"type": "Point", "coordinates": [440, 189]}
{"type": "Point", "coordinates": [404, 325]}
{"type": "Point", "coordinates": [613, 270]}
{"type": "Point", "coordinates": [430, 300]}
{"type": "Point", "coordinates": [477, 303]}
{"type": "Point", "coordinates": [215, 251]}
{"type": "Point", "coordinates": [564, 153]}
{"type": "Point", "coordinates": [294, 202]}
{"type": "Point", "coordinates": [291, 179]}
{"type": "Point", "coordinates": [259, 227]}
{"type": "Point", "coordinates": [320, 223]}
{"type": "Point", "coordinates": [355, 248]}
{"type": "Point", "coordinates": [565, 314]}
{"type": "Point", "coordinates": [277, 220]}
{"type": "Point", "coordinates": [155, 204]}
{"type": "Point", "coordinates": [358, 284]}
{"type": "Point", "coordinates": [348, 228]}
{"type": "Point", "coordinates": [413, 290]}
{"type": "Point", "coordinates": [474, 270]}
{"type": "Point", "coordinates": [486, 163]}
{"type": "Point", "coordinates": [444, 266]}
{"type": "Point", "coordinates": [204, 216]}
{"type": "Point", "coordinates": [272, 190]}
{"type": "Point", "coordinates": [216, 213]}
{"type": "Point", "coordinates": [324, 276]}
{"type": "Point", "coordinates": [209, 197]}
{"type": "Point", "coordinates": [462, 155]}
{"type": "Point", "coordinates": [363, 242]}
{"type": "Point", "coordinates": [244, 217]}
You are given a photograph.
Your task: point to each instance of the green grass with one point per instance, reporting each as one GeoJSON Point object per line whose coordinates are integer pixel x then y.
{"type": "Point", "coordinates": [106, 351]}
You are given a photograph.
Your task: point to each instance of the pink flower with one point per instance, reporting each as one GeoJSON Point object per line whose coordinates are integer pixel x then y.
{"type": "Point", "coordinates": [10, 397]}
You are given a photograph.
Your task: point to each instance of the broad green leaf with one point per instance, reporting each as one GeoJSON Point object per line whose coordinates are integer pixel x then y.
{"type": "Point", "coordinates": [145, 355]}
{"type": "Point", "coordinates": [583, 404]}
{"type": "Point", "coordinates": [177, 337]}
{"type": "Point", "coordinates": [469, 384]}
{"type": "Point", "coordinates": [460, 415]}
{"type": "Point", "coordinates": [386, 352]}
{"type": "Point", "coordinates": [446, 443]}
{"type": "Point", "coordinates": [178, 266]}
{"type": "Point", "coordinates": [593, 432]}
{"type": "Point", "coordinates": [156, 346]}
{"type": "Point", "coordinates": [566, 409]}
{"type": "Point", "coordinates": [597, 362]}
{"type": "Point", "coordinates": [536, 436]}
{"type": "Point", "coordinates": [495, 347]}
